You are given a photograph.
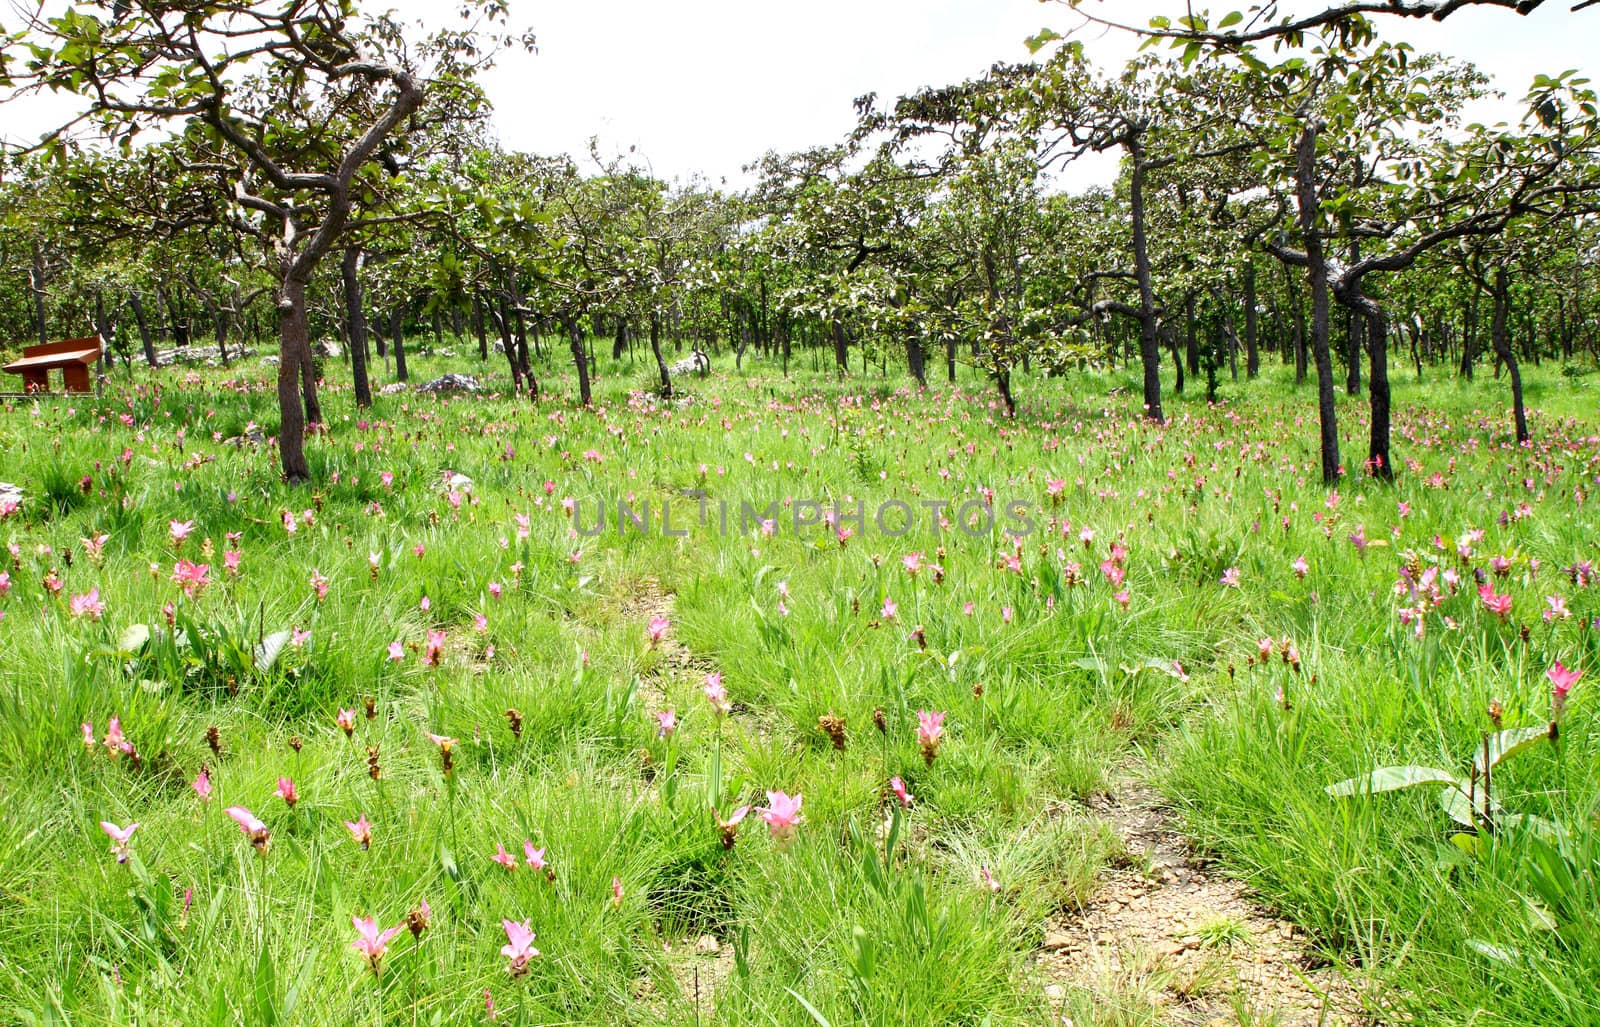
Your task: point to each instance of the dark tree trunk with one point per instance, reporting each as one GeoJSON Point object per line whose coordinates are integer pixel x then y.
{"type": "Point", "coordinates": [1501, 341]}
{"type": "Point", "coordinates": [1252, 359]}
{"type": "Point", "coordinates": [1469, 337]}
{"type": "Point", "coordinates": [1149, 341]}
{"type": "Point", "coordinates": [655, 350]}
{"type": "Point", "coordinates": [915, 360]}
{"type": "Point", "coordinates": [1317, 274]}
{"type": "Point", "coordinates": [841, 351]}
{"type": "Point", "coordinates": [355, 325]}
{"type": "Point", "coordinates": [580, 359]}
{"type": "Point", "coordinates": [1354, 329]}
{"type": "Point", "coordinates": [1002, 379]}
{"type": "Point", "coordinates": [293, 344]}
{"type": "Point", "coordinates": [478, 329]}
{"type": "Point", "coordinates": [397, 338]}
{"type": "Point", "coordinates": [1191, 340]}
{"type": "Point", "coordinates": [144, 327]}
{"type": "Point", "coordinates": [619, 343]}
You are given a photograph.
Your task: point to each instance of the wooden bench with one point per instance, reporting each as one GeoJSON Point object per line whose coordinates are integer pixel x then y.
{"type": "Point", "coordinates": [75, 357]}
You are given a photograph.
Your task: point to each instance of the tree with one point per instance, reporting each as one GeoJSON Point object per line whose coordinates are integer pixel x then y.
{"type": "Point", "coordinates": [292, 106]}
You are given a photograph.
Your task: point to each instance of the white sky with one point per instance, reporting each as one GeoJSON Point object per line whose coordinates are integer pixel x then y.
{"type": "Point", "coordinates": [707, 86]}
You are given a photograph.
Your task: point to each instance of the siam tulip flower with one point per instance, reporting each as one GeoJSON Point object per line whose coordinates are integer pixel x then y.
{"type": "Point", "coordinates": [119, 839]}
{"type": "Point", "coordinates": [1122, 598]}
{"type": "Point", "coordinates": [89, 741]}
{"type": "Point", "coordinates": [495, 590]}
{"type": "Point", "coordinates": [890, 607]}
{"type": "Point", "coordinates": [1230, 578]}
{"type": "Point", "coordinates": [446, 746]}
{"type": "Point", "coordinates": [480, 623]}
{"type": "Point", "coordinates": [729, 829]}
{"type": "Point", "coordinates": [716, 694]}
{"type": "Point", "coordinates": [319, 584]}
{"type": "Point", "coordinates": [191, 577]}
{"type": "Point", "coordinates": [202, 785]}
{"type": "Point", "coordinates": [1497, 604]}
{"type": "Point", "coordinates": [299, 637]}
{"type": "Point", "coordinates": [397, 651]}
{"type": "Point", "coordinates": [286, 791]}
{"type": "Point", "coordinates": [372, 942]}
{"type": "Point", "coordinates": [434, 650]}
{"type": "Point", "coordinates": [657, 629]}
{"type": "Point", "coordinates": [425, 604]}
{"type": "Point", "coordinates": [116, 743]}
{"type": "Point", "coordinates": [912, 562]}
{"type": "Point", "coordinates": [346, 721]}
{"type": "Point", "coordinates": [503, 857]}
{"type": "Point", "coordinates": [534, 857]}
{"type": "Point", "coordinates": [1557, 609]}
{"type": "Point", "coordinates": [230, 562]}
{"type": "Point", "coordinates": [519, 946]}
{"type": "Point", "coordinates": [666, 723]}
{"type": "Point", "coordinates": [253, 828]}
{"type": "Point", "coordinates": [986, 880]}
{"type": "Point", "coordinates": [361, 831]}
{"type": "Point", "coordinates": [88, 605]}
{"type": "Point", "coordinates": [782, 815]}
{"type": "Point", "coordinates": [898, 787]}
{"type": "Point", "coordinates": [616, 893]}
{"type": "Point", "coordinates": [1562, 679]}
{"type": "Point", "coordinates": [417, 920]}
{"type": "Point", "coordinates": [1500, 566]}
{"type": "Point", "coordinates": [1300, 567]}
{"type": "Point", "coordinates": [930, 733]}
{"type": "Point", "coordinates": [178, 531]}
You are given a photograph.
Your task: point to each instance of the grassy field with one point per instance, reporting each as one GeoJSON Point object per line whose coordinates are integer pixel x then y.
{"type": "Point", "coordinates": [436, 584]}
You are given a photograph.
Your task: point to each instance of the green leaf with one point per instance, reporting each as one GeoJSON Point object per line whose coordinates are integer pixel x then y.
{"type": "Point", "coordinates": [270, 649]}
{"type": "Point", "coordinates": [133, 638]}
{"type": "Point", "coordinates": [1508, 743]}
{"type": "Point", "coordinates": [1230, 19]}
{"type": "Point", "coordinates": [1391, 779]}
{"type": "Point", "coordinates": [815, 1015]}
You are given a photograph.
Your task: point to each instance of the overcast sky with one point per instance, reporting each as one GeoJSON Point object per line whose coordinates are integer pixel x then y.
{"type": "Point", "coordinates": [707, 86]}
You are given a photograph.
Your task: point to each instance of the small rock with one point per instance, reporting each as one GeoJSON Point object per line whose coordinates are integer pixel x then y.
{"type": "Point", "coordinates": [1168, 948]}
{"type": "Point", "coordinates": [451, 383]}
{"type": "Point", "coordinates": [1055, 992]}
{"type": "Point", "coordinates": [1056, 941]}
{"type": "Point", "coordinates": [706, 945]}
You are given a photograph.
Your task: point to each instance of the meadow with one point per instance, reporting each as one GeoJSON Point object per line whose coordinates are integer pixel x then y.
{"type": "Point", "coordinates": [790, 773]}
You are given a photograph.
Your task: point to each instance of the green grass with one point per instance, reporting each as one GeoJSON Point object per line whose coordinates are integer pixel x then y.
{"type": "Point", "coordinates": [1042, 708]}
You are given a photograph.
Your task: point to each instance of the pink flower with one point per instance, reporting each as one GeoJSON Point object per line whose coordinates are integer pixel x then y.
{"type": "Point", "coordinates": [202, 785]}
{"type": "Point", "coordinates": [782, 815]}
{"type": "Point", "coordinates": [397, 651]}
{"type": "Point", "coordinates": [666, 723]}
{"type": "Point", "coordinates": [230, 561]}
{"type": "Point", "coordinates": [716, 694]}
{"type": "Point", "coordinates": [191, 577]}
{"type": "Point", "coordinates": [494, 589]}
{"type": "Point", "coordinates": [319, 584]}
{"type": "Point", "coordinates": [616, 893]}
{"type": "Point", "coordinates": [116, 743]}
{"type": "Point", "coordinates": [729, 829]}
{"type": "Point", "coordinates": [298, 638]}
{"type": "Point", "coordinates": [1497, 604]}
{"type": "Point", "coordinates": [434, 649]}
{"type": "Point", "coordinates": [899, 788]}
{"type": "Point", "coordinates": [930, 732]}
{"type": "Point", "coordinates": [1230, 578]}
{"type": "Point", "coordinates": [286, 791]}
{"type": "Point", "coordinates": [658, 629]}
{"type": "Point", "coordinates": [519, 946]}
{"type": "Point", "coordinates": [178, 531]}
{"type": "Point", "coordinates": [986, 880]}
{"type": "Point", "coordinates": [361, 831]}
{"type": "Point", "coordinates": [535, 857]}
{"type": "Point", "coordinates": [253, 828]}
{"type": "Point", "coordinates": [88, 735]}
{"type": "Point", "coordinates": [1300, 567]}
{"type": "Point", "coordinates": [1562, 679]}
{"type": "Point", "coordinates": [119, 839]}
{"type": "Point", "coordinates": [912, 563]}
{"type": "Point", "coordinates": [346, 721]}
{"type": "Point", "coordinates": [1557, 609]}
{"type": "Point", "coordinates": [372, 942]}
{"type": "Point", "coordinates": [890, 607]}
{"type": "Point", "coordinates": [503, 857]}
{"type": "Point", "coordinates": [88, 605]}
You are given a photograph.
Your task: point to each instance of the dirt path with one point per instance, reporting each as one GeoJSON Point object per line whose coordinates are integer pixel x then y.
{"type": "Point", "coordinates": [1167, 941]}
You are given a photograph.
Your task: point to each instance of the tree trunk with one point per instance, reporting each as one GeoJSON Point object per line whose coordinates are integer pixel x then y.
{"type": "Point", "coordinates": [1191, 340]}
{"type": "Point", "coordinates": [478, 328]}
{"type": "Point", "coordinates": [1317, 274]}
{"type": "Point", "coordinates": [1149, 342]}
{"type": "Point", "coordinates": [356, 325]}
{"type": "Point", "coordinates": [661, 361]}
{"type": "Point", "coordinates": [293, 344]}
{"type": "Point", "coordinates": [1353, 332]}
{"type": "Point", "coordinates": [144, 327]}
{"type": "Point", "coordinates": [1252, 359]}
{"type": "Point", "coordinates": [1501, 341]}
{"type": "Point", "coordinates": [36, 280]}
{"type": "Point", "coordinates": [580, 358]}
{"type": "Point", "coordinates": [841, 351]}
{"type": "Point", "coordinates": [397, 338]}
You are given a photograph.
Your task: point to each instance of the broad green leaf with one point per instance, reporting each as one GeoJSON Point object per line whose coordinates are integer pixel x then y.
{"type": "Point", "coordinates": [1508, 743]}
{"type": "Point", "coordinates": [1391, 779]}
{"type": "Point", "coordinates": [268, 651]}
{"type": "Point", "coordinates": [1230, 19]}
